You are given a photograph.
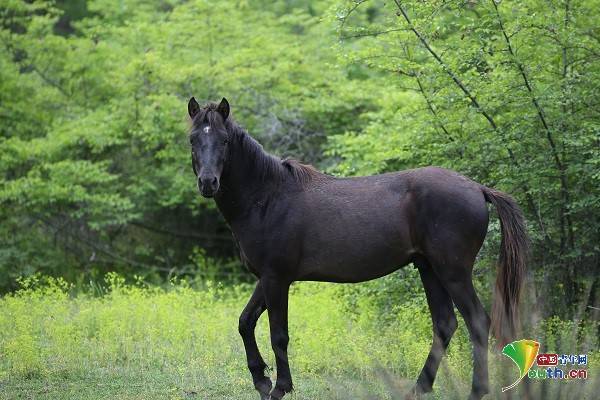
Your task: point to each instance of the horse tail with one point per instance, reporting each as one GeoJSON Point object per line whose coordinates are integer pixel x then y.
{"type": "Point", "coordinates": [511, 266]}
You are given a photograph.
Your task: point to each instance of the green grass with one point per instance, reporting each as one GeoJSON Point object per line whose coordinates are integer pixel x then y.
{"type": "Point", "coordinates": [135, 342]}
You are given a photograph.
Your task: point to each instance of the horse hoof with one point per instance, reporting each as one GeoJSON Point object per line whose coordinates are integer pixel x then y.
{"type": "Point", "coordinates": [277, 394]}
{"type": "Point", "coordinates": [264, 388]}
{"type": "Point", "coordinates": [415, 393]}
{"type": "Point", "coordinates": [477, 395]}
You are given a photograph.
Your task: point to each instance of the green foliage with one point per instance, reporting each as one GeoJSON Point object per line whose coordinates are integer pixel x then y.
{"type": "Point", "coordinates": [94, 166]}
{"type": "Point", "coordinates": [94, 158]}
{"type": "Point", "coordinates": [504, 92]}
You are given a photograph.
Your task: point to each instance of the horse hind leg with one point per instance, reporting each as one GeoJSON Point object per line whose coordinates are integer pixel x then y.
{"type": "Point", "coordinates": [444, 325]}
{"type": "Point", "coordinates": [458, 282]}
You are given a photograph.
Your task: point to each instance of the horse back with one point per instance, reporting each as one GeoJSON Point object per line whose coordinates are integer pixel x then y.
{"type": "Point", "coordinates": [356, 229]}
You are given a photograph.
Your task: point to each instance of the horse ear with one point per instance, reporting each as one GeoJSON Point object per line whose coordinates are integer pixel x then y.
{"type": "Point", "coordinates": [193, 107]}
{"type": "Point", "coordinates": [223, 108]}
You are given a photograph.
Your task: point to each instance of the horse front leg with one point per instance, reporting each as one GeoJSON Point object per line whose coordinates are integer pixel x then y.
{"type": "Point", "coordinates": [276, 295]}
{"type": "Point", "coordinates": [253, 310]}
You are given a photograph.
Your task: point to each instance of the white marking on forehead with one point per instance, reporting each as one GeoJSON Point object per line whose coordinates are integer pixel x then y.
{"type": "Point", "coordinates": [206, 129]}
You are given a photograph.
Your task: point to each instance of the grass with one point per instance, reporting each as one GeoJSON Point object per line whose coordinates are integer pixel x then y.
{"type": "Point", "coordinates": [137, 342]}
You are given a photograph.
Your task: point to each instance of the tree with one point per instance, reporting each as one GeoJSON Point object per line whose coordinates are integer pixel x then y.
{"type": "Point", "coordinates": [95, 164]}
{"type": "Point", "coordinates": [503, 92]}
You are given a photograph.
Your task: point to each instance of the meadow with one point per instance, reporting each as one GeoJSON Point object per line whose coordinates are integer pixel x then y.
{"type": "Point", "coordinates": [97, 189]}
{"type": "Point", "coordinates": [133, 341]}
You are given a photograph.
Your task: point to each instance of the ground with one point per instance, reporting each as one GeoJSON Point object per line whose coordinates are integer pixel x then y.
{"type": "Point", "coordinates": [179, 342]}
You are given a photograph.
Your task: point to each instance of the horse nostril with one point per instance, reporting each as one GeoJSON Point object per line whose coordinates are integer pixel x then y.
{"type": "Point", "coordinates": [208, 185]}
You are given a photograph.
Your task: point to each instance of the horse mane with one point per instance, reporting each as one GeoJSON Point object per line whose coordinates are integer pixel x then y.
{"type": "Point", "coordinates": [302, 173]}
{"type": "Point", "coordinates": [267, 164]}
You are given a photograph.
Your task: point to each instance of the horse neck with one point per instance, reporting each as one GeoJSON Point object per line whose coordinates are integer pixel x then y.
{"type": "Point", "coordinates": [250, 176]}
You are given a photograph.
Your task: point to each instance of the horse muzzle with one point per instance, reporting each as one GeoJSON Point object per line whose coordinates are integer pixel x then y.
{"type": "Point", "coordinates": [208, 186]}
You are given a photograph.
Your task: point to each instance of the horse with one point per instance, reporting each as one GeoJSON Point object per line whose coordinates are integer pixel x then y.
{"type": "Point", "coordinates": [294, 223]}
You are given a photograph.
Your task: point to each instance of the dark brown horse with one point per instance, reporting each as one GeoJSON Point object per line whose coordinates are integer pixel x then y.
{"type": "Point", "coordinates": [293, 223]}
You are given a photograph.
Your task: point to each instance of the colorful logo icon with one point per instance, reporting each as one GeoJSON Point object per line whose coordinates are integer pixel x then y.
{"type": "Point", "coordinates": [547, 359]}
{"type": "Point", "coordinates": [523, 353]}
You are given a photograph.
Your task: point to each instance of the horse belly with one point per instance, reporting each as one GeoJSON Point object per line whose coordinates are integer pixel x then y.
{"type": "Point", "coordinates": [352, 270]}
{"type": "Point", "coordinates": [350, 249]}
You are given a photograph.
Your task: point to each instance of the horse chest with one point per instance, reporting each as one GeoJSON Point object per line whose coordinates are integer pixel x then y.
{"type": "Point", "coordinates": [260, 246]}
{"type": "Point", "coordinates": [250, 250]}
{"type": "Point", "coordinates": [242, 247]}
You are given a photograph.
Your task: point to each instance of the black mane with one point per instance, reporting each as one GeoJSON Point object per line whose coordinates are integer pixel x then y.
{"type": "Point", "coordinates": [270, 166]}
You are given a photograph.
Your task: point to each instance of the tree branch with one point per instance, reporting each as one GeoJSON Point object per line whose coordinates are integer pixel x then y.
{"type": "Point", "coordinates": [541, 115]}
{"type": "Point", "coordinates": [185, 235]}
{"type": "Point", "coordinates": [373, 34]}
{"type": "Point", "coordinates": [357, 3]}
{"type": "Point", "coordinates": [526, 80]}
{"type": "Point", "coordinates": [475, 103]}
{"type": "Point", "coordinates": [429, 103]}
{"type": "Point", "coordinates": [445, 67]}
